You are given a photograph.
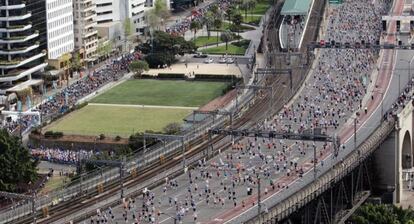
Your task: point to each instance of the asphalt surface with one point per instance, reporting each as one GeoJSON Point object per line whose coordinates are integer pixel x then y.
{"type": "Point", "coordinates": [332, 93]}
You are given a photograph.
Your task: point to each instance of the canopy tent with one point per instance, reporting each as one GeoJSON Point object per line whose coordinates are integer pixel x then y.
{"type": "Point", "coordinates": [296, 7]}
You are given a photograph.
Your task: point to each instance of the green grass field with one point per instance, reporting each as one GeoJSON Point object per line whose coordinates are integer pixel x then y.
{"type": "Point", "coordinates": [162, 92]}
{"type": "Point", "coordinates": [232, 49]}
{"type": "Point", "coordinates": [117, 120]}
{"type": "Point", "coordinates": [260, 8]}
{"type": "Point", "coordinates": [252, 19]}
{"type": "Point", "coordinates": [204, 40]}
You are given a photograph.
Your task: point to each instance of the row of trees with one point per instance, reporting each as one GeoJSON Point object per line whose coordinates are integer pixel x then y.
{"type": "Point", "coordinates": [382, 214]}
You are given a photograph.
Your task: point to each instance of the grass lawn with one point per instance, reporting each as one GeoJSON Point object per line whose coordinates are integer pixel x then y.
{"type": "Point", "coordinates": [226, 26]}
{"type": "Point", "coordinates": [251, 19]}
{"type": "Point", "coordinates": [117, 120]}
{"type": "Point", "coordinates": [162, 92]}
{"type": "Point", "coordinates": [260, 8]}
{"type": "Point", "coordinates": [204, 40]}
{"type": "Point", "coordinates": [222, 50]}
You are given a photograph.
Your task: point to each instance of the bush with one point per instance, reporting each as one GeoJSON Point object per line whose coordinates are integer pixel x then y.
{"type": "Point", "coordinates": [171, 76]}
{"type": "Point", "coordinates": [51, 134]}
{"type": "Point", "coordinates": [156, 60]}
{"type": "Point", "coordinates": [242, 43]}
{"type": "Point", "coordinates": [210, 77]}
{"type": "Point", "coordinates": [101, 137]}
{"type": "Point", "coordinates": [118, 138]}
{"type": "Point", "coordinates": [172, 128]}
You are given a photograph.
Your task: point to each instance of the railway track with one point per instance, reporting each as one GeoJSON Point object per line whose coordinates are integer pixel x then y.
{"type": "Point", "coordinates": [256, 112]}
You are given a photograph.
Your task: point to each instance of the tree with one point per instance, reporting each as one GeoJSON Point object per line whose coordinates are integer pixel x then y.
{"type": "Point", "coordinates": [172, 129]}
{"type": "Point", "coordinates": [245, 6]}
{"type": "Point", "coordinates": [17, 166]}
{"type": "Point", "coordinates": [231, 11]}
{"type": "Point", "coordinates": [208, 21]}
{"type": "Point", "coordinates": [226, 36]}
{"type": "Point", "coordinates": [217, 24]}
{"type": "Point", "coordinates": [127, 25]}
{"type": "Point", "coordinates": [382, 214]}
{"type": "Point", "coordinates": [163, 48]}
{"type": "Point", "coordinates": [252, 5]}
{"type": "Point", "coordinates": [237, 20]}
{"type": "Point", "coordinates": [138, 67]}
{"type": "Point", "coordinates": [194, 26]}
{"type": "Point", "coordinates": [75, 63]}
{"type": "Point", "coordinates": [104, 49]}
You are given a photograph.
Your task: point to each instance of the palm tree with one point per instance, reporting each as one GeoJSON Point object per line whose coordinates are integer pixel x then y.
{"type": "Point", "coordinates": [226, 36]}
{"type": "Point", "coordinates": [231, 11]}
{"type": "Point", "coordinates": [208, 21]}
{"type": "Point", "coordinates": [237, 20]}
{"type": "Point", "coordinates": [218, 22]}
{"type": "Point", "coordinates": [194, 26]}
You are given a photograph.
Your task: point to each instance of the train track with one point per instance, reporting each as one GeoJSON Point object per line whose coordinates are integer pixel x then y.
{"type": "Point", "coordinates": [196, 147]}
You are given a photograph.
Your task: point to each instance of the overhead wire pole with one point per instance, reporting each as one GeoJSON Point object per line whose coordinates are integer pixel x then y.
{"type": "Point", "coordinates": [114, 163]}
{"type": "Point", "coordinates": [215, 113]}
{"type": "Point", "coordinates": [166, 137]}
{"type": "Point", "coordinates": [32, 199]}
{"type": "Point", "coordinates": [273, 71]}
{"type": "Point", "coordinates": [255, 88]}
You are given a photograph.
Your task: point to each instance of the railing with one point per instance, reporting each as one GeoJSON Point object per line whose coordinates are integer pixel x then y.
{"type": "Point", "coordinates": [107, 175]}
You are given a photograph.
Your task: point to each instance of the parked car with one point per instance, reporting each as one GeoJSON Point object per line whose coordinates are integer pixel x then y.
{"type": "Point", "coordinates": [230, 60]}
{"type": "Point", "coordinates": [222, 60]}
{"type": "Point", "coordinates": [200, 55]}
{"type": "Point", "coordinates": [208, 60]}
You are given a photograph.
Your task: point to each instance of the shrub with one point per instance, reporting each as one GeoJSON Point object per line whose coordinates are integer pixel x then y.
{"type": "Point", "coordinates": [101, 137]}
{"type": "Point", "coordinates": [118, 138]}
{"type": "Point", "coordinates": [171, 76]}
{"type": "Point", "coordinates": [242, 43]}
{"type": "Point", "coordinates": [159, 59]}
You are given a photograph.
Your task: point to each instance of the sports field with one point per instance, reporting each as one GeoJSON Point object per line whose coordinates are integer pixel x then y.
{"type": "Point", "coordinates": [162, 92]}
{"type": "Point", "coordinates": [117, 120]}
{"type": "Point", "coordinates": [119, 111]}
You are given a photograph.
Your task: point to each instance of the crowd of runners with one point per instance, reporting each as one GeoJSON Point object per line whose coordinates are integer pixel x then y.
{"type": "Point", "coordinates": [180, 27]}
{"type": "Point", "coordinates": [332, 93]}
{"type": "Point", "coordinates": [67, 97]}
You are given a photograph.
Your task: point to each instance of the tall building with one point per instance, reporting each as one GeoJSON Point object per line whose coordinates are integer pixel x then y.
{"type": "Point", "coordinates": [86, 36]}
{"type": "Point", "coordinates": [22, 43]}
{"type": "Point", "coordinates": [118, 10]}
{"type": "Point", "coordinates": [59, 24]}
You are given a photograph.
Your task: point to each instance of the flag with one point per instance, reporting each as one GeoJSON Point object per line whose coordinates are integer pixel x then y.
{"type": "Point", "coordinates": [28, 102]}
{"type": "Point", "coordinates": [19, 106]}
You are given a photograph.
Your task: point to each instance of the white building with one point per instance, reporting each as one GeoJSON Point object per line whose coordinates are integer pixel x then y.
{"type": "Point", "coordinates": [86, 36]}
{"type": "Point", "coordinates": [118, 10]}
{"type": "Point", "coordinates": [59, 19]}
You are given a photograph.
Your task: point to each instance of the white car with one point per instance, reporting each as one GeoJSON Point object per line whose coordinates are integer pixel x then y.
{"type": "Point", "coordinates": [222, 60]}
{"type": "Point", "coordinates": [208, 60]}
{"type": "Point", "coordinates": [230, 60]}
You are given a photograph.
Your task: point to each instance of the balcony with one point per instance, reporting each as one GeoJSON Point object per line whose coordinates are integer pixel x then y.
{"type": "Point", "coordinates": [10, 7]}
{"type": "Point", "coordinates": [22, 73]}
{"type": "Point", "coordinates": [88, 7]}
{"type": "Point", "coordinates": [90, 23]}
{"type": "Point", "coordinates": [11, 29]}
{"type": "Point", "coordinates": [16, 18]}
{"type": "Point", "coordinates": [15, 51]}
{"type": "Point", "coordinates": [20, 39]}
{"type": "Point", "coordinates": [90, 32]}
{"type": "Point", "coordinates": [18, 63]}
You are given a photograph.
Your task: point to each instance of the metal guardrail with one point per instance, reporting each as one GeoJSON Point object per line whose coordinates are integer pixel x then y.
{"type": "Point", "coordinates": [108, 175]}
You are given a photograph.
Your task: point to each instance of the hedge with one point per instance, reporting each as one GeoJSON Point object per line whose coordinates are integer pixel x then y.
{"type": "Point", "coordinates": [52, 134]}
{"type": "Point", "coordinates": [212, 77]}
{"type": "Point", "coordinates": [171, 76]}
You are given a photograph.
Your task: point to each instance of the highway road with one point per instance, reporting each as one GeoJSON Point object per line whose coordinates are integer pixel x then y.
{"type": "Point", "coordinates": [330, 96]}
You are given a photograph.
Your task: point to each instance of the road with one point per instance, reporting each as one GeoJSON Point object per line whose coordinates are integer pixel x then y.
{"type": "Point", "coordinates": [328, 99]}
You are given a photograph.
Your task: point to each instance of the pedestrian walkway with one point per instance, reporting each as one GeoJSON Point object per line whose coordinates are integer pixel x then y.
{"type": "Point", "coordinates": [191, 69]}
{"type": "Point", "coordinates": [142, 106]}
